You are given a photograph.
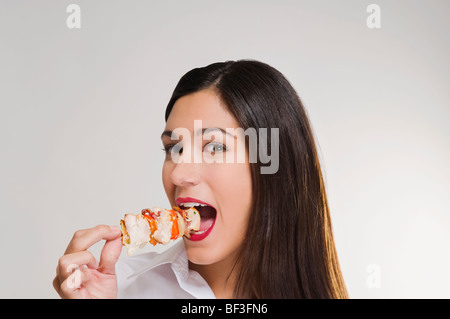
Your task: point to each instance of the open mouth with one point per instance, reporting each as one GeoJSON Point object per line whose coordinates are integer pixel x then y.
{"type": "Point", "coordinates": [207, 216]}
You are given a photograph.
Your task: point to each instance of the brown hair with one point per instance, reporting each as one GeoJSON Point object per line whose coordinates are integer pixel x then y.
{"type": "Point", "coordinates": [289, 251]}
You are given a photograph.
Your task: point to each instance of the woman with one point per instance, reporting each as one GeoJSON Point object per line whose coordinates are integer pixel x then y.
{"type": "Point", "coordinates": [265, 235]}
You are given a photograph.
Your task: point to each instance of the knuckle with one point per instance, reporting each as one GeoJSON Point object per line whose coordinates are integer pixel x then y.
{"type": "Point", "coordinates": [66, 264]}
{"type": "Point", "coordinates": [89, 254]}
{"type": "Point", "coordinates": [79, 233]}
{"type": "Point", "coordinates": [66, 268]}
{"type": "Point", "coordinates": [63, 261]}
{"type": "Point", "coordinates": [102, 228]}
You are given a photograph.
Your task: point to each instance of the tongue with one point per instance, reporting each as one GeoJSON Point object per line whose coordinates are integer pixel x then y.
{"type": "Point", "coordinates": [208, 215]}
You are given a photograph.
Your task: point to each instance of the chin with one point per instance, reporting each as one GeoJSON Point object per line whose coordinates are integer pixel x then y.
{"type": "Point", "coordinates": [201, 255]}
{"type": "Point", "coordinates": [201, 260]}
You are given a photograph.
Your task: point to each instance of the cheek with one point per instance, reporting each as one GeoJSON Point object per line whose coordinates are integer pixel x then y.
{"type": "Point", "coordinates": [237, 179]}
{"type": "Point", "coordinates": [166, 179]}
{"type": "Point", "coordinates": [234, 193]}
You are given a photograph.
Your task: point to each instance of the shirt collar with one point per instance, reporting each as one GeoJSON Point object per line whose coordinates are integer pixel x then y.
{"type": "Point", "coordinates": [172, 255]}
{"type": "Point", "coordinates": [189, 280]}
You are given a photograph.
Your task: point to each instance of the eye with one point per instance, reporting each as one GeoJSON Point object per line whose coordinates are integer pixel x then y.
{"type": "Point", "coordinates": [175, 148]}
{"type": "Point", "coordinates": [212, 148]}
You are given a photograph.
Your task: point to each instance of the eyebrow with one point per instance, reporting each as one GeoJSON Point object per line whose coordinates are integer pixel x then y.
{"type": "Point", "coordinates": [209, 129]}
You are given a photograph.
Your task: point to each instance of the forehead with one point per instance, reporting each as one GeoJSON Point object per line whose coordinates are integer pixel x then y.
{"type": "Point", "coordinates": [204, 105]}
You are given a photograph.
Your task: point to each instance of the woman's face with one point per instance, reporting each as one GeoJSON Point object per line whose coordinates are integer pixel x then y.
{"type": "Point", "coordinates": [202, 171]}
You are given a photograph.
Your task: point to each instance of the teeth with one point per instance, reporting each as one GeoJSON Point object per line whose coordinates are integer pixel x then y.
{"type": "Point", "coordinates": [191, 204]}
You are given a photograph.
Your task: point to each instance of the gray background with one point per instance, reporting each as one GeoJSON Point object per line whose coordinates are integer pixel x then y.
{"type": "Point", "coordinates": [82, 112]}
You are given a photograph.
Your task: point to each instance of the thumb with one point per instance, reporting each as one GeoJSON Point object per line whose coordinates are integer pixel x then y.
{"type": "Point", "coordinates": [110, 253]}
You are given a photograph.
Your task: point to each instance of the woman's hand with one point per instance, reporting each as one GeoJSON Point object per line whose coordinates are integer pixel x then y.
{"type": "Point", "coordinates": [79, 274]}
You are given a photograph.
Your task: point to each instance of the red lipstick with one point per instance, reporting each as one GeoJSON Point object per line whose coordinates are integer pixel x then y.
{"type": "Point", "coordinates": [197, 237]}
{"type": "Point", "coordinates": [181, 200]}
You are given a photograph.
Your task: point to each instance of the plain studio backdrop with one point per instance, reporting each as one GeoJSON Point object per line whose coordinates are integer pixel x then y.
{"type": "Point", "coordinates": [82, 110]}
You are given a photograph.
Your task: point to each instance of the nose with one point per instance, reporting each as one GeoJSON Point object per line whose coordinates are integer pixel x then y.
{"type": "Point", "coordinates": [185, 174]}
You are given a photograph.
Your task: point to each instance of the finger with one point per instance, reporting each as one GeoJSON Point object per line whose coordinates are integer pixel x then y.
{"type": "Point", "coordinates": [83, 239]}
{"type": "Point", "coordinates": [68, 263]}
{"type": "Point", "coordinates": [109, 256]}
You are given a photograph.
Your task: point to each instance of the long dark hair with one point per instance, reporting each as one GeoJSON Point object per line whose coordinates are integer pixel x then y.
{"type": "Point", "coordinates": [289, 250]}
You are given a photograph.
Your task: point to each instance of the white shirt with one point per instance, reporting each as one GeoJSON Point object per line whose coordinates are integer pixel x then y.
{"type": "Point", "coordinates": [160, 275]}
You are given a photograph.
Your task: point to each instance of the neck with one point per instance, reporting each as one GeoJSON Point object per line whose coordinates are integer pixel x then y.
{"type": "Point", "coordinates": [220, 276]}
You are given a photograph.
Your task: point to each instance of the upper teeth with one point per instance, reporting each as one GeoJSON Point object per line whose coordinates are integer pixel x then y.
{"type": "Point", "coordinates": [191, 204]}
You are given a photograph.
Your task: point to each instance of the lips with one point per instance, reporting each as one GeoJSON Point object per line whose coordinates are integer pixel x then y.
{"type": "Point", "coordinates": [182, 200]}
{"type": "Point", "coordinates": [207, 213]}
